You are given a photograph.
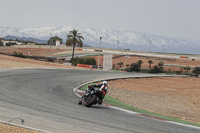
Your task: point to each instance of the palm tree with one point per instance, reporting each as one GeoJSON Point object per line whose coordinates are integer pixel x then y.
{"type": "Point", "coordinates": [120, 64]}
{"type": "Point", "coordinates": [150, 62]}
{"type": "Point", "coordinates": [139, 62]}
{"type": "Point", "coordinates": [74, 38]}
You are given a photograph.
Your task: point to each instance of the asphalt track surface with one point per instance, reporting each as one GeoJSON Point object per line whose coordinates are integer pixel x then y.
{"type": "Point", "coordinates": [44, 99]}
{"type": "Point", "coordinates": [75, 55]}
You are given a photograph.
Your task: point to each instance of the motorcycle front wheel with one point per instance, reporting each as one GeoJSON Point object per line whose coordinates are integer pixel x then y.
{"type": "Point", "coordinates": [88, 101]}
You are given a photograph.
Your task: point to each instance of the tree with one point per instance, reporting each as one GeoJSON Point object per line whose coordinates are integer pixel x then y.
{"type": "Point", "coordinates": [1, 43]}
{"type": "Point", "coordinates": [74, 38]}
{"type": "Point", "coordinates": [160, 64]}
{"type": "Point", "coordinates": [150, 62]}
{"type": "Point", "coordinates": [135, 67]}
{"type": "Point", "coordinates": [120, 64]}
{"type": "Point", "coordinates": [196, 71]}
{"type": "Point", "coordinates": [87, 61]}
{"type": "Point", "coordinates": [139, 62]}
{"type": "Point", "coordinates": [158, 68]}
{"type": "Point", "coordinates": [187, 68]}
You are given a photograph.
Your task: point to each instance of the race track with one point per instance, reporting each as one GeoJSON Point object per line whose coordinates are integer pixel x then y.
{"type": "Point", "coordinates": [44, 99]}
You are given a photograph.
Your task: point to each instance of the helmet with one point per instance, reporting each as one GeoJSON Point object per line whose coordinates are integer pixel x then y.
{"type": "Point", "coordinates": [104, 83]}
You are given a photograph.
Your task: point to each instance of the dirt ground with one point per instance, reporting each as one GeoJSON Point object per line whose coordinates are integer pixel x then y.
{"type": "Point", "coordinates": [177, 97]}
{"type": "Point", "coordinates": [173, 96]}
{"type": "Point", "coordinates": [15, 62]}
{"type": "Point", "coordinates": [167, 61]}
{"type": "Point", "coordinates": [174, 63]}
{"type": "Point", "coordinates": [30, 51]}
{"type": "Point", "coordinates": [6, 128]}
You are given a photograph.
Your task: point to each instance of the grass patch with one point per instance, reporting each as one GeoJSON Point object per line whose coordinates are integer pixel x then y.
{"type": "Point", "coordinates": [115, 102]}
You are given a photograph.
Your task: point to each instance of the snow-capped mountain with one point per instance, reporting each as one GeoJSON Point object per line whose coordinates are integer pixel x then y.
{"type": "Point", "coordinates": [110, 38]}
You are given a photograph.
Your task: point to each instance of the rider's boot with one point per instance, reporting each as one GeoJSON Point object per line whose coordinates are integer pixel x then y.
{"type": "Point", "coordinates": [80, 102]}
{"type": "Point", "coordinates": [100, 101]}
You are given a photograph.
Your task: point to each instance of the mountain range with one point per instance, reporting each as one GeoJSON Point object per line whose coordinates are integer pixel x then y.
{"type": "Point", "coordinates": [25, 39]}
{"type": "Point", "coordinates": [111, 38]}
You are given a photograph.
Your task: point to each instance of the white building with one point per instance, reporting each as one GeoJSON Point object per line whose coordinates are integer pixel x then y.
{"type": "Point", "coordinates": [8, 43]}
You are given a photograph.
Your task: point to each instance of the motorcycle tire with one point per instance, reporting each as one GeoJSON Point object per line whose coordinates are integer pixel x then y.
{"type": "Point", "coordinates": [89, 101]}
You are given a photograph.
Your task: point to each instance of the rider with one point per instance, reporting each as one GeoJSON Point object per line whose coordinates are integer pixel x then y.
{"type": "Point", "coordinates": [101, 92]}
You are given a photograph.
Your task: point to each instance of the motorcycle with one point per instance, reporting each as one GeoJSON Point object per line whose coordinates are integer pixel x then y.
{"type": "Point", "coordinates": [90, 97]}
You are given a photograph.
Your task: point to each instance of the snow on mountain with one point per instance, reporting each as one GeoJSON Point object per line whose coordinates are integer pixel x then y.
{"type": "Point", "coordinates": [110, 38]}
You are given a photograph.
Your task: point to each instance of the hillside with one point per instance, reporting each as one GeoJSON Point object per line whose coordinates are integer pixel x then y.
{"type": "Point", "coordinates": [111, 38]}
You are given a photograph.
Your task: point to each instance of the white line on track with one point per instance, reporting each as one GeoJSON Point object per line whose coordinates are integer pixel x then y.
{"type": "Point", "coordinates": [181, 124]}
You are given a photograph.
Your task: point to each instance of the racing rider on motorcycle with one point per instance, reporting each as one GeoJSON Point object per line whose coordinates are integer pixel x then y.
{"type": "Point", "coordinates": [101, 92]}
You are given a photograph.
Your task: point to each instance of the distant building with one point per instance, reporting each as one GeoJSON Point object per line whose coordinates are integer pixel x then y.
{"type": "Point", "coordinates": [10, 42]}
{"type": "Point", "coordinates": [55, 41]}
{"type": "Point", "coordinates": [31, 43]}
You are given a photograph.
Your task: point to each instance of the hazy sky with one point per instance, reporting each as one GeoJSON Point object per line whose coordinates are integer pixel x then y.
{"type": "Point", "coordinates": [173, 18]}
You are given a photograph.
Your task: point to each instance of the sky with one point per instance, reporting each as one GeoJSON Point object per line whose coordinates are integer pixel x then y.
{"type": "Point", "coordinates": [171, 18]}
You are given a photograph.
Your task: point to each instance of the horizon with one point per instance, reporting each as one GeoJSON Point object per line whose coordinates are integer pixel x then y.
{"type": "Point", "coordinates": [135, 41]}
{"type": "Point", "coordinates": [86, 28]}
